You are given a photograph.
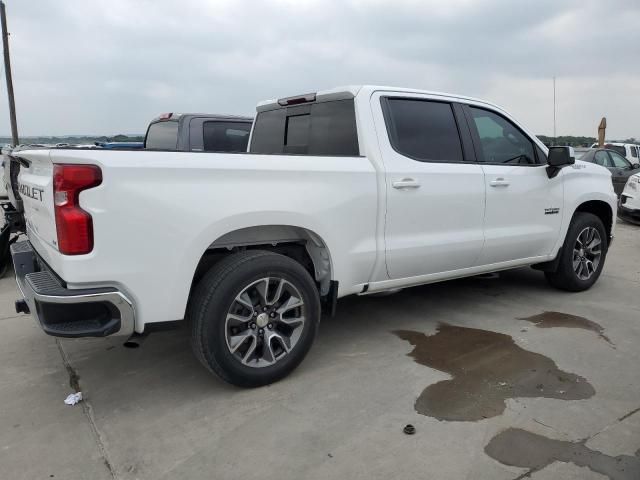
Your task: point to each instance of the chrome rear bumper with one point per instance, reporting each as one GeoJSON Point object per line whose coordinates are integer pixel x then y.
{"type": "Point", "coordinates": [64, 312]}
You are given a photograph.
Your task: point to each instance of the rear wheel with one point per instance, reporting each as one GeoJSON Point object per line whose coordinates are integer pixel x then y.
{"type": "Point", "coordinates": [254, 316]}
{"type": "Point", "coordinates": [582, 255]}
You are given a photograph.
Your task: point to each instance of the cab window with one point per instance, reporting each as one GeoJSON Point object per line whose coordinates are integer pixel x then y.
{"type": "Point", "coordinates": [501, 141]}
{"type": "Point", "coordinates": [162, 136]}
{"type": "Point", "coordinates": [322, 129]}
{"type": "Point", "coordinates": [423, 130]}
{"type": "Point", "coordinates": [225, 136]}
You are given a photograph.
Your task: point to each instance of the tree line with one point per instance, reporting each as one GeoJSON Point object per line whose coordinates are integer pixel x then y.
{"type": "Point", "coordinates": [578, 141]}
{"type": "Point", "coordinates": [75, 139]}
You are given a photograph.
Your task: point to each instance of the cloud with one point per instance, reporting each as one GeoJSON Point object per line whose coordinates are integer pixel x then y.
{"type": "Point", "coordinates": [109, 67]}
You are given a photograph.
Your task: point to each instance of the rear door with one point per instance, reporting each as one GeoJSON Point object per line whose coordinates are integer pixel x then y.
{"type": "Point", "coordinates": [435, 191]}
{"type": "Point", "coordinates": [523, 205]}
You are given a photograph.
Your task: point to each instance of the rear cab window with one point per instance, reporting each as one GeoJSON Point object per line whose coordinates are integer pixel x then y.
{"type": "Point", "coordinates": [162, 135]}
{"type": "Point", "coordinates": [324, 128]}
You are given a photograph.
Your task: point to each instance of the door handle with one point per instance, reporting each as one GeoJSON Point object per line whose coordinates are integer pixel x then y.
{"type": "Point", "coordinates": [499, 182]}
{"type": "Point", "coordinates": [406, 183]}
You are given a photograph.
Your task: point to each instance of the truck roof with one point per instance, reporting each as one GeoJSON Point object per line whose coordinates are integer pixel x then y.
{"type": "Point", "coordinates": [350, 91]}
{"type": "Point", "coordinates": [214, 116]}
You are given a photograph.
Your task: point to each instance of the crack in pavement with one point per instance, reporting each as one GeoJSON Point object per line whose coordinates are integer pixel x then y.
{"type": "Point", "coordinates": [632, 412]}
{"type": "Point", "coordinates": [12, 317]}
{"type": "Point", "coordinates": [521, 448]}
{"type": "Point", "coordinates": [74, 383]}
{"type": "Point", "coordinates": [608, 426]}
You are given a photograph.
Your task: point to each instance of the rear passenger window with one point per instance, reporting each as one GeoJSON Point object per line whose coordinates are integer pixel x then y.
{"type": "Point", "coordinates": [225, 136]}
{"type": "Point", "coordinates": [423, 130]}
{"type": "Point", "coordinates": [325, 128]}
{"type": "Point", "coordinates": [634, 152]}
{"type": "Point", "coordinates": [500, 140]}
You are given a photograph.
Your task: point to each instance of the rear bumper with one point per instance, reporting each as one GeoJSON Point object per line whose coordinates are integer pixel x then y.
{"type": "Point", "coordinates": [64, 312]}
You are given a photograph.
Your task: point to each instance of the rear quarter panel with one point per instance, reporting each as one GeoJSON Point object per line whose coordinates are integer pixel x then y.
{"type": "Point", "coordinates": [156, 213]}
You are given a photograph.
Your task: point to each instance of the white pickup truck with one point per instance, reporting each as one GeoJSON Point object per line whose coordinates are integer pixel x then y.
{"type": "Point", "coordinates": [348, 191]}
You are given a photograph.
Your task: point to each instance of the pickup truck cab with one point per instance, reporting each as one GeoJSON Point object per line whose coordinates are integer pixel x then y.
{"type": "Point", "coordinates": [198, 132]}
{"type": "Point", "coordinates": [354, 190]}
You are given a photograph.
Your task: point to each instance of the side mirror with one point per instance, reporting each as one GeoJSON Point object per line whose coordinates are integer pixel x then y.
{"type": "Point", "coordinates": [635, 166]}
{"type": "Point", "coordinates": [559, 157]}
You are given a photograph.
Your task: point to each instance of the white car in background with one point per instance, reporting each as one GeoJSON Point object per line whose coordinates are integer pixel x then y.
{"type": "Point", "coordinates": [629, 150]}
{"type": "Point", "coordinates": [629, 208]}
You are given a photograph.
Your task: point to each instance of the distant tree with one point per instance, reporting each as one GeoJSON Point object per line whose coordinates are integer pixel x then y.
{"type": "Point", "coordinates": [569, 140]}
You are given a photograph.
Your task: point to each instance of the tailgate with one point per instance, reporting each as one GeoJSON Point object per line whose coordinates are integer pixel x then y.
{"type": "Point", "coordinates": [35, 183]}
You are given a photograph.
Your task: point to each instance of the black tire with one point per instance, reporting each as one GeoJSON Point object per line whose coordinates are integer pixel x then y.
{"type": "Point", "coordinates": [565, 277]}
{"type": "Point", "coordinates": [214, 296]}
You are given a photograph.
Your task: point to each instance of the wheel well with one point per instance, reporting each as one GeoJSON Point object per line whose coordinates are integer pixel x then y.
{"type": "Point", "coordinates": [600, 209]}
{"type": "Point", "coordinates": [299, 244]}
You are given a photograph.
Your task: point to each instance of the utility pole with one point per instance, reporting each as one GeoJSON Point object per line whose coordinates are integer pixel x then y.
{"type": "Point", "coordinates": [7, 71]}
{"type": "Point", "coordinates": [554, 110]}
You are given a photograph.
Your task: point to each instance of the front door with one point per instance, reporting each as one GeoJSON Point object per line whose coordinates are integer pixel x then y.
{"type": "Point", "coordinates": [435, 192]}
{"type": "Point", "coordinates": [524, 206]}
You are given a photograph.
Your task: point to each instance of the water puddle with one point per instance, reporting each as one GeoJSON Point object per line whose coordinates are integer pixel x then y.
{"type": "Point", "coordinates": [566, 320]}
{"type": "Point", "coordinates": [487, 368]}
{"type": "Point", "coordinates": [520, 448]}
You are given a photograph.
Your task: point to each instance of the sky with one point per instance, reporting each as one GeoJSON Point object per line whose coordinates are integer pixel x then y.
{"type": "Point", "coordinates": [108, 67]}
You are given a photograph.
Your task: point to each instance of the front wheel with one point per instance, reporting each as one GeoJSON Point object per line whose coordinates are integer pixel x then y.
{"type": "Point", "coordinates": [582, 255]}
{"type": "Point", "coordinates": [254, 316]}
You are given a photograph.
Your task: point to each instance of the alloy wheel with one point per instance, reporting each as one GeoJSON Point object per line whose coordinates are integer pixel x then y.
{"type": "Point", "coordinates": [264, 322]}
{"type": "Point", "coordinates": [587, 253]}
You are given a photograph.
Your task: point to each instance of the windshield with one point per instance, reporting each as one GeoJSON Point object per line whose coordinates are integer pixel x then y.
{"type": "Point", "coordinates": [162, 136]}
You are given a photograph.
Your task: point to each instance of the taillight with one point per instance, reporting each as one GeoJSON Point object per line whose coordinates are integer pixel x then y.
{"type": "Point", "coordinates": [74, 225]}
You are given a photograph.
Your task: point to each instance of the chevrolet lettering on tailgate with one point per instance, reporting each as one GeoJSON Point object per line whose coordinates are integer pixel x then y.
{"type": "Point", "coordinates": [31, 192]}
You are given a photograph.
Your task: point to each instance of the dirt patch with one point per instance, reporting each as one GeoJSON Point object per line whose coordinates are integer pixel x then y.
{"type": "Point", "coordinates": [520, 448]}
{"type": "Point", "coordinates": [487, 368]}
{"type": "Point", "coordinates": [566, 320]}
